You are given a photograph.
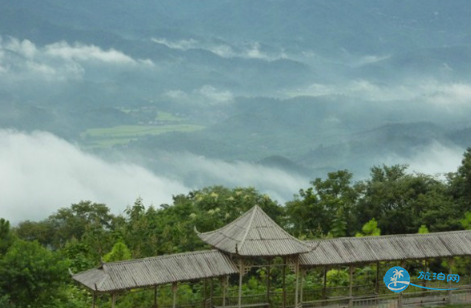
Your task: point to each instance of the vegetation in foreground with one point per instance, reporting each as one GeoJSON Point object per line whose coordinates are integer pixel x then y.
{"type": "Point", "coordinates": [35, 256]}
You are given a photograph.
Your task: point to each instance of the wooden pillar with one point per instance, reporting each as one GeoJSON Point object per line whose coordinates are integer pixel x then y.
{"type": "Point", "coordinates": [284, 282]}
{"type": "Point", "coordinates": [324, 290]}
{"type": "Point", "coordinates": [296, 292]}
{"type": "Point", "coordinates": [241, 274]}
{"type": "Point", "coordinates": [450, 264]}
{"type": "Point", "coordinates": [94, 300]}
{"type": "Point", "coordinates": [113, 299]}
{"type": "Point", "coordinates": [268, 280]}
{"type": "Point", "coordinates": [303, 272]}
{"type": "Point", "coordinates": [377, 279]}
{"type": "Point", "coordinates": [205, 292]}
{"type": "Point", "coordinates": [224, 286]}
{"type": "Point", "coordinates": [155, 297]}
{"type": "Point", "coordinates": [211, 288]}
{"type": "Point", "coordinates": [174, 290]}
{"type": "Point", "coordinates": [350, 289]}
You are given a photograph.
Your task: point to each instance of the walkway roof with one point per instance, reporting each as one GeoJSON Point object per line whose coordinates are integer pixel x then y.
{"type": "Point", "coordinates": [154, 271]}
{"type": "Point", "coordinates": [387, 248]}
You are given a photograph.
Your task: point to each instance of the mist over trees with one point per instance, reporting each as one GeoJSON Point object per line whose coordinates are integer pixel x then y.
{"type": "Point", "coordinates": [35, 255]}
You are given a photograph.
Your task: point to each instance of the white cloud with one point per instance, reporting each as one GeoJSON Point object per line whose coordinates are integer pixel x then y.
{"type": "Point", "coordinates": [278, 184]}
{"type": "Point", "coordinates": [181, 44]}
{"type": "Point", "coordinates": [206, 95]}
{"type": "Point", "coordinates": [79, 52]}
{"type": "Point", "coordinates": [22, 60]}
{"type": "Point", "coordinates": [428, 91]}
{"type": "Point", "coordinates": [24, 48]}
{"type": "Point", "coordinates": [369, 59]}
{"type": "Point", "coordinates": [215, 95]}
{"type": "Point", "coordinates": [250, 50]}
{"type": "Point", "coordinates": [41, 173]}
{"type": "Point", "coordinates": [176, 94]}
{"type": "Point", "coordinates": [434, 159]}
{"type": "Point", "coordinates": [453, 95]}
{"type": "Point", "coordinates": [224, 51]}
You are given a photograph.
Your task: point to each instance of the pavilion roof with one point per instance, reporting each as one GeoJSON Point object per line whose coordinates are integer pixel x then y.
{"type": "Point", "coordinates": [353, 250]}
{"type": "Point", "coordinates": [139, 273]}
{"type": "Point", "coordinates": [254, 234]}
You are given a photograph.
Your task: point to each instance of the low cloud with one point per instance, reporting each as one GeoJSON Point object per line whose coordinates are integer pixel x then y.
{"type": "Point", "coordinates": [41, 173]}
{"type": "Point", "coordinates": [215, 95]}
{"type": "Point", "coordinates": [368, 59]}
{"type": "Point", "coordinates": [252, 50]}
{"type": "Point", "coordinates": [434, 159]}
{"type": "Point", "coordinates": [22, 60]}
{"type": "Point", "coordinates": [180, 44]}
{"type": "Point", "coordinates": [79, 52]}
{"type": "Point", "coordinates": [280, 185]}
{"type": "Point", "coordinates": [367, 90]}
{"type": "Point", "coordinates": [451, 95]}
{"type": "Point", "coordinates": [427, 92]}
{"type": "Point", "coordinates": [206, 95]}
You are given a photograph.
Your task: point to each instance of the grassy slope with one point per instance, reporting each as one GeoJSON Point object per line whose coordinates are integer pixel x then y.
{"type": "Point", "coordinates": [110, 136]}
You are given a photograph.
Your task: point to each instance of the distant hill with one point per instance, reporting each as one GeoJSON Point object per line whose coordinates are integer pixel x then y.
{"type": "Point", "coordinates": [323, 25]}
{"type": "Point", "coordinates": [314, 85]}
{"type": "Point", "coordinates": [450, 62]}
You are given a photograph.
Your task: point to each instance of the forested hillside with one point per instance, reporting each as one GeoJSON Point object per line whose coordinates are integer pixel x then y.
{"type": "Point", "coordinates": [35, 255]}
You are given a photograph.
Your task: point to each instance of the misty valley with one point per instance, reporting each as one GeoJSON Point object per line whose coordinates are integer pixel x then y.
{"type": "Point", "coordinates": [189, 93]}
{"type": "Point", "coordinates": [126, 126]}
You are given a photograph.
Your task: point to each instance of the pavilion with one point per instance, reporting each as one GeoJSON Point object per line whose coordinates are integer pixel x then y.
{"type": "Point", "coordinates": [254, 240]}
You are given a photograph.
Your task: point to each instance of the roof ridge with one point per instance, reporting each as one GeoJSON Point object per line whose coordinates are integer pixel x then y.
{"type": "Point", "coordinates": [286, 232]}
{"type": "Point", "coordinates": [242, 242]}
{"type": "Point", "coordinates": [106, 276]}
{"type": "Point", "coordinates": [223, 227]}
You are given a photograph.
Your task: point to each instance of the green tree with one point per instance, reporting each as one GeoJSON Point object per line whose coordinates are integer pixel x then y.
{"type": "Point", "coordinates": [41, 231]}
{"type": "Point", "coordinates": [460, 184]}
{"type": "Point", "coordinates": [6, 236]}
{"type": "Point", "coordinates": [423, 229]}
{"type": "Point", "coordinates": [88, 221]}
{"type": "Point", "coordinates": [31, 274]}
{"type": "Point", "coordinates": [466, 221]}
{"type": "Point", "coordinates": [119, 252]}
{"type": "Point", "coordinates": [402, 202]}
{"type": "Point", "coordinates": [307, 218]}
{"type": "Point", "coordinates": [80, 255]}
{"type": "Point", "coordinates": [370, 229]}
{"type": "Point", "coordinates": [136, 228]}
{"type": "Point", "coordinates": [80, 218]}
{"type": "Point", "coordinates": [325, 208]}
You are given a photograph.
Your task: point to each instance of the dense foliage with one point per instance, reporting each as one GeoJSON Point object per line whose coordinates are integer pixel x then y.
{"type": "Point", "coordinates": [35, 256]}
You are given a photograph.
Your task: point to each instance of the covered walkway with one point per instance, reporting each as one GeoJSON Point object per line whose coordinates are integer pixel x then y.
{"type": "Point", "coordinates": [254, 240]}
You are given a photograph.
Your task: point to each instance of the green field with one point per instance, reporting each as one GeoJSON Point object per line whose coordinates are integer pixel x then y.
{"type": "Point", "coordinates": [119, 135]}
{"type": "Point", "coordinates": [167, 116]}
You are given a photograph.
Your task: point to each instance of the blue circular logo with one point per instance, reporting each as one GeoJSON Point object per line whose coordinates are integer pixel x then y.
{"type": "Point", "coordinates": [397, 279]}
